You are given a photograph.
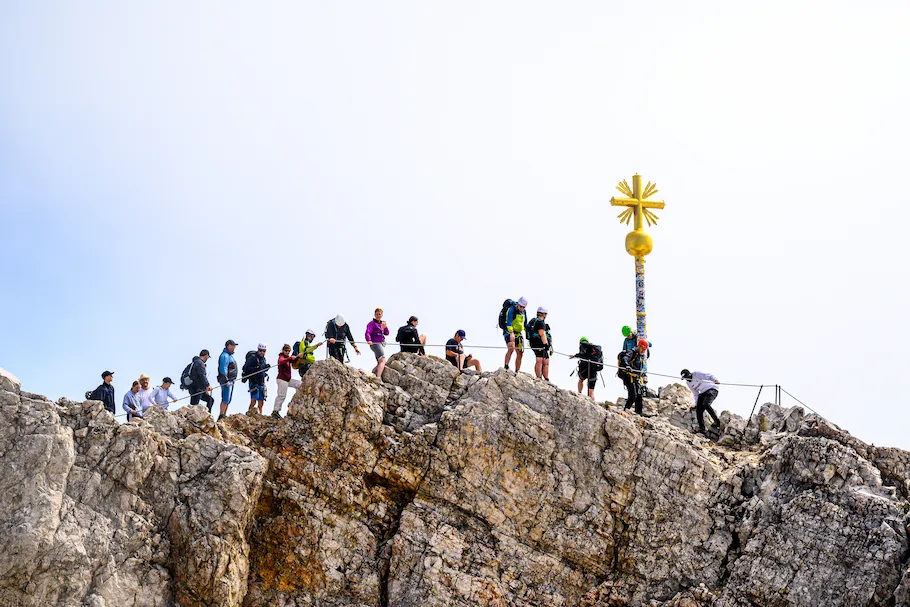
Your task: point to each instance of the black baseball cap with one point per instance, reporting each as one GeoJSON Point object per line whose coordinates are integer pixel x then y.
{"type": "Point", "coordinates": [230, 342]}
{"type": "Point", "coordinates": [167, 380]}
{"type": "Point", "coordinates": [204, 353]}
{"type": "Point", "coordinates": [106, 373]}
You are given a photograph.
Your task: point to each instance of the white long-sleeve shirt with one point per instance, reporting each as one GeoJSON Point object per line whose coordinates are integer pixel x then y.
{"type": "Point", "coordinates": [159, 396]}
{"type": "Point", "coordinates": [701, 383]}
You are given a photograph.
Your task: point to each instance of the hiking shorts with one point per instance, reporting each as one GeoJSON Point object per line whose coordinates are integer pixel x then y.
{"type": "Point", "coordinates": [226, 393]}
{"type": "Point", "coordinates": [454, 361]}
{"type": "Point", "coordinates": [583, 371]}
{"type": "Point", "coordinates": [378, 350]}
{"type": "Point", "coordinates": [519, 342]}
{"type": "Point", "coordinates": [541, 351]}
{"type": "Point", "coordinates": [257, 391]}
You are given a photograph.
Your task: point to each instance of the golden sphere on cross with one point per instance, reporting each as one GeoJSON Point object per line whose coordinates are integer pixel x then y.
{"type": "Point", "coordinates": [639, 243]}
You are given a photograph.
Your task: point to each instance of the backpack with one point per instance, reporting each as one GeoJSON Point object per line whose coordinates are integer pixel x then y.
{"type": "Point", "coordinates": [504, 314]}
{"type": "Point", "coordinates": [295, 351]}
{"type": "Point", "coordinates": [185, 379]}
{"type": "Point", "coordinates": [595, 355]}
{"type": "Point", "coordinates": [624, 361]}
{"type": "Point", "coordinates": [248, 366]}
{"type": "Point", "coordinates": [532, 328]}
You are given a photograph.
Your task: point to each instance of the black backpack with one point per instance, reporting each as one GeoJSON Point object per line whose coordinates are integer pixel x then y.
{"type": "Point", "coordinates": [248, 366]}
{"type": "Point", "coordinates": [625, 360]}
{"type": "Point", "coordinates": [295, 351]}
{"type": "Point", "coordinates": [595, 355]}
{"type": "Point", "coordinates": [186, 379]}
{"type": "Point", "coordinates": [532, 328]}
{"type": "Point", "coordinates": [504, 314]}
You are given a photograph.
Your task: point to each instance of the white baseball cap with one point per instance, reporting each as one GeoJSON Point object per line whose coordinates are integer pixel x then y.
{"type": "Point", "coordinates": [522, 302]}
{"type": "Point", "coordinates": [541, 310]}
{"type": "Point", "coordinates": [263, 347]}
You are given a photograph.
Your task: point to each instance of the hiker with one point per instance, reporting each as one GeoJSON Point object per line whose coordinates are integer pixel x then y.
{"type": "Point", "coordinates": [630, 342]}
{"type": "Point", "coordinates": [590, 363]}
{"type": "Point", "coordinates": [630, 370]}
{"type": "Point", "coordinates": [306, 353]}
{"type": "Point", "coordinates": [254, 372]}
{"type": "Point", "coordinates": [410, 338]}
{"type": "Point", "coordinates": [144, 391]}
{"type": "Point", "coordinates": [131, 403]}
{"type": "Point", "coordinates": [541, 343]}
{"type": "Point", "coordinates": [704, 389]}
{"type": "Point", "coordinates": [199, 381]}
{"type": "Point", "coordinates": [285, 359]}
{"type": "Point", "coordinates": [336, 331]}
{"type": "Point", "coordinates": [105, 392]}
{"type": "Point", "coordinates": [227, 375]}
{"type": "Point", "coordinates": [375, 335]}
{"type": "Point", "coordinates": [160, 394]}
{"type": "Point", "coordinates": [513, 331]}
{"type": "Point", "coordinates": [455, 353]}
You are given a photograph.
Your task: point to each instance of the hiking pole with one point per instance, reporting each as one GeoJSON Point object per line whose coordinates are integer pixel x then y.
{"type": "Point", "coordinates": [753, 408]}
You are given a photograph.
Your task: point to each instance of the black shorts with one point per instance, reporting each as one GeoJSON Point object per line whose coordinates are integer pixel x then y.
{"type": "Point", "coordinates": [454, 360]}
{"type": "Point", "coordinates": [586, 371]}
{"type": "Point", "coordinates": [540, 350]}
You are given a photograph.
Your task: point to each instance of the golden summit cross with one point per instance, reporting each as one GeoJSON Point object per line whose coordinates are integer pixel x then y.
{"type": "Point", "coordinates": [637, 202]}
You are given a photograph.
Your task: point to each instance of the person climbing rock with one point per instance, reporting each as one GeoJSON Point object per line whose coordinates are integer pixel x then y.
{"type": "Point", "coordinates": [630, 342]}
{"type": "Point", "coordinates": [336, 331]}
{"type": "Point", "coordinates": [285, 358]}
{"type": "Point", "coordinates": [630, 371]}
{"type": "Point", "coordinates": [254, 370]}
{"type": "Point", "coordinates": [590, 363]}
{"type": "Point", "coordinates": [704, 389]}
{"type": "Point", "coordinates": [200, 388]}
{"type": "Point", "coordinates": [513, 331]}
{"type": "Point", "coordinates": [306, 356]}
{"type": "Point", "coordinates": [160, 395]}
{"type": "Point", "coordinates": [410, 338]}
{"type": "Point", "coordinates": [455, 353]}
{"type": "Point", "coordinates": [144, 392]}
{"type": "Point", "coordinates": [105, 392]}
{"type": "Point", "coordinates": [375, 335]}
{"type": "Point", "coordinates": [541, 343]}
{"type": "Point", "coordinates": [132, 404]}
{"type": "Point", "coordinates": [227, 375]}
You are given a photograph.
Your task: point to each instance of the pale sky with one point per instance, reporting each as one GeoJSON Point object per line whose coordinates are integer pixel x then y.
{"type": "Point", "coordinates": [176, 174]}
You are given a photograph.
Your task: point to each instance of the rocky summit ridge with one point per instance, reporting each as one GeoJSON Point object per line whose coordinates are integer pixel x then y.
{"type": "Point", "coordinates": [439, 488]}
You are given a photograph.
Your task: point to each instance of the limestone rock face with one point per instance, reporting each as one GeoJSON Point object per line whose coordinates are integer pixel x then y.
{"type": "Point", "coordinates": [439, 488]}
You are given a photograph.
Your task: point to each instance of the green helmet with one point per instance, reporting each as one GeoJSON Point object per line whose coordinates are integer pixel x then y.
{"type": "Point", "coordinates": [582, 340]}
{"type": "Point", "coordinates": [626, 331]}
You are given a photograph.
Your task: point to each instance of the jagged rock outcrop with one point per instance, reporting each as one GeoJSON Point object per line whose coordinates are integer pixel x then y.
{"type": "Point", "coordinates": [438, 488]}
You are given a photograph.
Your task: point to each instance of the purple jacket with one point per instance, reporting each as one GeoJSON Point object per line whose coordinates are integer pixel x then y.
{"type": "Point", "coordinates": [375, 333]}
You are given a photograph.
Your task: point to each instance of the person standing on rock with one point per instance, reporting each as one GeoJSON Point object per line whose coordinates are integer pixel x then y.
{"type": "Point", "coordinates": [631, 363]}
{"type": "Point", "coordinates": [410, 338]}
{"type": "Point", "coordinates": [132, 403]}
{"type": "Point", "coordinates": [375, 335]}
{"type": "Point", "coordinates": [336, 332]}
{"type": "Point", "coordinates": [307, 356]}
{"type": "Point", "coordinates": [105, 392]}
{"type": "Point", "coordinates": [144, 391]}
{"type": "Point", "coordinates": [590, 363]}
{"type": "Point", "coordinates": [254, 371]}
{"type": "Point", "coordinates": [227, 375]}
{"type": "Point", "coordinates": [541, 343]}
{"type": "Point", "coordinates": [630, 342]}
{"type": "Point", "coordinates": [201, 389]}
{"type": "Point", "coordinates": [285, 359]}
{"type": "Point", "coordinates": [516, 317]}
{"type": "Point", "coordinates": [455, 353]}
{"type": "Point", "coordinates": [704, 389]}
{"type": "Point", "coordinates": [160, 394]}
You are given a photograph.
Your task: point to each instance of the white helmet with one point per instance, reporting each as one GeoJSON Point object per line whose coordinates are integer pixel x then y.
{"type": "Point", "coordinates": [541, 310]}
{"type": "Point", "coordinates": [339, 320]}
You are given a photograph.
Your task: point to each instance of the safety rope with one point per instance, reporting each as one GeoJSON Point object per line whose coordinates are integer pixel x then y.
{"type": "Point", "coordinates": [632, 371]}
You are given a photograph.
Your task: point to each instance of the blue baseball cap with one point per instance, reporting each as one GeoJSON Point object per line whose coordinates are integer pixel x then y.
{"type": "Point", "coordinates": [460, 333]}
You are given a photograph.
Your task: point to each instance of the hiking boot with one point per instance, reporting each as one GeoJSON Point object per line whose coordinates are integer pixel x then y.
{"type": "Point", "coordinates": [220, 417]}
{"type": "Point", "coordinates": [506, 367]}
{"type": "Point", "coordinates": [276, 415]}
